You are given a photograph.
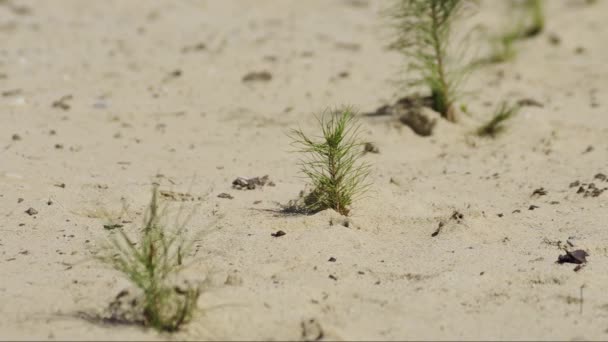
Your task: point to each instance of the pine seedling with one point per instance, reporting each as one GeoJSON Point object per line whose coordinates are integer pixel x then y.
{"type": "Point", "coordinates": [496, 126]}
{"type": "Point", "coordinates": [152, 263]}
{"type": "Point", "coordinates": [333, 163]}
{"type": "Point", "coordinates": [424, 35]}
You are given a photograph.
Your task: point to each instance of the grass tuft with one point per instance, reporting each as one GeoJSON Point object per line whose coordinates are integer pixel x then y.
{"type": "Point", "coordinates": [423, 35]}
{"type": "Point", "coordinates": [496, 124]}
{"type": "Point", "coordinates": [333, 162]}
{"type": "Point", "coordinates": [152, 263]}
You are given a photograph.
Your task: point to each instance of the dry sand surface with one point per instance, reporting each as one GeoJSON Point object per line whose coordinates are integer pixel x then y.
{"type": "Point", "coordinates": [102, 98]}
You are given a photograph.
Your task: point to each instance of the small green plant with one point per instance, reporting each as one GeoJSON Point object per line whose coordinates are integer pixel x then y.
{"type": "Point", "coordinates": [332, 163]}
{"type": "Point", "coordinates": [535, 8]}
{"type": "Point", "coordinates": [496, 126]}
{"type": "Point", "coordinates": [424, 35]}
{"type": "Point", "coordinates": [527, 20]}
{"type": "Point", "coordinates": [152, 263]}
{"type": "Point", "coordinates": [503, 46]}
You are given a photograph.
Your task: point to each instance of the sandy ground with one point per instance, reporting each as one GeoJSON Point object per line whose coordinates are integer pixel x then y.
{"type": "Point", "coordinates": [155, 88]}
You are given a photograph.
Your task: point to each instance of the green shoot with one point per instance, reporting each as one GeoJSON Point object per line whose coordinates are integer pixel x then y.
{"type": "Point", "coordinates": [152, 264]}
{"type": "Point", "coordinates": [503, 46]}
{"type": "Point", "coordinates": [496, 124]}
{"type": "Point", "coordinates": [333, 164]}
{"type": "Point", "coordinates": [423, 35]}
{"type": "Point", "coordinates": [536, 10]}
{"type": "Point", "coordinates": [528, 19]}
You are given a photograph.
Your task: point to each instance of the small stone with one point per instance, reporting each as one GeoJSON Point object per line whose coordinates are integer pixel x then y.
{"type": "Point", "coordinates": [344, 74]}
{"type": "Point", "coordinates": [278, 234]}
{"type": "Point", "coordinates": [597, 192]}
{"type": "Point", "coordinates": [112, 226]}
{"type": "Point", "coordinates": [31, 211]}
{"type": "Point", "coordinates": [371, 148]}
{"type": "Point", "coordinates": [574, 257]}
{"type": "Point", "coordinates": [332, 259]}
{"type": "Point", "coordinates": [457, 216]}
{"type": "Point", "coordinates": [62, 103]}
{"type": "Point", "coordinates": [16, 137]}
{"type": "Point", "coordinates": [419, 121]}
{"type": "Point", "coordinates": [539, 192]}
{"type": "Point", "coordinates": [241, 183]}
{"type": "Point", "coordinates": [225, 195]}
{"type": "Point", "coordinates": [261, 76]}
{"type": "Point", "coordinates": [554, 39]}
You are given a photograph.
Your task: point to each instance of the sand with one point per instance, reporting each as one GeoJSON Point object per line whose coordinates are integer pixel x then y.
{"type": "Point", "coordinates": [153, 91]}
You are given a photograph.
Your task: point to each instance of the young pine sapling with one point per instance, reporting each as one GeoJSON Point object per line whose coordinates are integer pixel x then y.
{"type": "Point", "coordinates": [424, 34]}
{"type": "Point", "coordinates": [333, 162]}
